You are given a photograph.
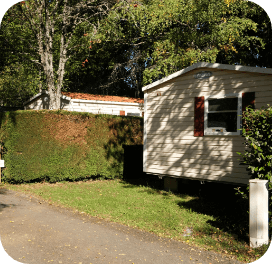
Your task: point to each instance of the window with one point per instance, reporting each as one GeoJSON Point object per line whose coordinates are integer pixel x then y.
{"type": "Point", "coordinates": [220, 121]}
{"type": "Point", "coordinates": [133, 114]}
{"type": "Point", "coordinates": [222, 114]}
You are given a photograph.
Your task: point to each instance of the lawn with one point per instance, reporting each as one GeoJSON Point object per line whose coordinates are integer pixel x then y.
{"type": "Point", "coordinates": [163, 213]}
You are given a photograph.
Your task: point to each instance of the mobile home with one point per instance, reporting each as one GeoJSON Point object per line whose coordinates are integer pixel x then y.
{"type": "Point", "coordinates": [192, 121]}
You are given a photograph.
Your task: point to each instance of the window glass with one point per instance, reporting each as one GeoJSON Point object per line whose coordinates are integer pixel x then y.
{"type": "Point", "coordinates": [227, 120]}
{"type": "Point", "coordinates": [222, 114]}
{"type": "Point", "coordinates": [223, 104]}
{"type": "Point", "coordinates": [133, 114]}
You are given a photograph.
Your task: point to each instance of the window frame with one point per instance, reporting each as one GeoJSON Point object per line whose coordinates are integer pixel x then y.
{"type": "Point", "coordinates": [208, 131]}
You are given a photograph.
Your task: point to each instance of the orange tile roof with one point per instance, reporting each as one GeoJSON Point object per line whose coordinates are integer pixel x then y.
{"type": "Point", "coordinates": [85, 96]}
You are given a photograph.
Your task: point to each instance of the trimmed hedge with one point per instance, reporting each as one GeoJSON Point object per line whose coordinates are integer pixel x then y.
{"type": "Point", "coordinates": [59, 145]}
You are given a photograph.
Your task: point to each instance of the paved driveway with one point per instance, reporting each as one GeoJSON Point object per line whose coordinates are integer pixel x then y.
{"type": "Point", "coordinates": [32, 231]}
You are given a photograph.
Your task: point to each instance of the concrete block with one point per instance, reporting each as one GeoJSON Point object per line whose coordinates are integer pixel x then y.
{"type": "Point", "coordinates": [170, 184]}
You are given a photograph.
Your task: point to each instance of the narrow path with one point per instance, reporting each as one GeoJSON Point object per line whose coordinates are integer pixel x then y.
{"type": "Point", "coordinates": [32, 231]}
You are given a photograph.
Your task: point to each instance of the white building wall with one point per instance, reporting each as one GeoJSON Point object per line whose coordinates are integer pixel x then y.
{"type": "Point", "coordinates": [40, 102]}
{"type": "Point", "coordinates": [171, 147]}
{"type": "Point", "coordinates": [106, 107]}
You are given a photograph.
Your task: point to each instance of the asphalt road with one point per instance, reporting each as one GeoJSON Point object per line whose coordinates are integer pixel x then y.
{"type": "Point", "coordinates": [32, 231]}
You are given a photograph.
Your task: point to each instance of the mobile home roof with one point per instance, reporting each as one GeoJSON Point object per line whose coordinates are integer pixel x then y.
{"type": "Point", "coordinates": [209, 65]}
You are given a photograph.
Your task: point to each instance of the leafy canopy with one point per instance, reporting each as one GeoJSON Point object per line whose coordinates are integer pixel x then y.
{"type": "Point", "coordinates": [171, 35]}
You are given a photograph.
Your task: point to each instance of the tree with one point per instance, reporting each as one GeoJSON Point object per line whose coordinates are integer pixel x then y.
{"type": "Point", "coordinates": [256, 52]}
{"type": "Point", "coordinates": [119, 31]}
{"type": "Point", "coordinates": [167, 36]}
{"type": "Point", "coordinates": [102, 65]}
{"type": "Point", "coordinates": [116, 47]}
{"type": "Point", "coordinates": [17, 84]}
{"type": "Point", "coordinates": [48, 35]}
{"type": "Point", "coordinates": [19, 80]}
{"type": "Point", "coordinates": [91, 69]}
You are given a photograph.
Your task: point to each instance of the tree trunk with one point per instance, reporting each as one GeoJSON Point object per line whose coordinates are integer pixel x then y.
{"type": "Point", "coordinates": [54, 98]}
{"type": "Point", "coordinates": [45, 42]}
{"type": "Point", "coordinates": [40, 80]}
{"type": "Point", "coordinates": [54, 94]}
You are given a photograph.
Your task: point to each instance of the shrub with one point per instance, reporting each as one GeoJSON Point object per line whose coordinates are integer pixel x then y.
{"type": "Point", "coordinates": [257, 131]}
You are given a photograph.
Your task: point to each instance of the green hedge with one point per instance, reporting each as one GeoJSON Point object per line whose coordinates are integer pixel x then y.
{"type": "Point", "coordinates": [59, 145]}
{"type": "Point", "coordinates": [257, 131]}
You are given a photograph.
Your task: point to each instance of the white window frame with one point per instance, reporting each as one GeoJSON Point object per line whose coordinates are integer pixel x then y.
{"type": "Point", "coordinates": [214, 131]}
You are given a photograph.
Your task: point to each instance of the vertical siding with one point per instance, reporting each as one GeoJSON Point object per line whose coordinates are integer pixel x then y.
{"type": "Point", "coordinates": [172, 149]}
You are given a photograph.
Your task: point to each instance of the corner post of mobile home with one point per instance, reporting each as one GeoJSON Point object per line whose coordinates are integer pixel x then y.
{"type": "Point", "coordinates": [145, 134]}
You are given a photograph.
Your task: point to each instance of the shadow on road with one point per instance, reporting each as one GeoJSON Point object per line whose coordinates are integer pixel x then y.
{"type": "Point", "coordinates": [4, 191]}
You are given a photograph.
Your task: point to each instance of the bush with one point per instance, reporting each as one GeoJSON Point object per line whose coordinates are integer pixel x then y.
{"type": "Point", "coordinates": [257, 131]}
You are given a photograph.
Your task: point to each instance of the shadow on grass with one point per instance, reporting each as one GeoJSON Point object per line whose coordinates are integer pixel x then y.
{"type": "Point", "coordinates": [214, 199]}
{"type": "Point", "coordinates": [229, 210]}
{"type": "Point", "coordinates": [153, 187]}
{"type": "Point", "coordinates": [47, 179]}
{"type": "Point", "coordinates": [228, 218]}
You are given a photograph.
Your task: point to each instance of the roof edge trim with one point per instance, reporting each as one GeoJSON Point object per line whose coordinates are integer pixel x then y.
{"type": "Point", "coordinates": [208, 65]}
{"type": "Point", "coordinates": [104, 102]}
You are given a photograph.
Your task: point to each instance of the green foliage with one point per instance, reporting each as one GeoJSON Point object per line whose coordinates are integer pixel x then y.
{"type": "Point", "coordinates": [257, 131]}
{"type": "Point", "coordinates": [17, 84]}
{"type": "Point", "coordinates": [50, 34]}
{"type": "Point", "coordinates": [171, 35]}
{"type": "Point", "coordinates": [90, 68]}
{"type": "Point", "coordinates": [19, 79]}
{"type": "Point", "coordinates": [18, 43]}
{"type": "Point", "coordinates": [137, 43]}
{"type": "Point", "coordinates": [47, 146]}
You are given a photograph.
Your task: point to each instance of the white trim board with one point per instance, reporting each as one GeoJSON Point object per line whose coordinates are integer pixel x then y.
{"type": "Point", "coordinates": [104, 102]}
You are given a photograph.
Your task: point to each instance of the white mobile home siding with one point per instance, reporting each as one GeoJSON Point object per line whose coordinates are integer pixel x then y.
{"type": "Point", "coordinates": [41, 101]}
{"type": "Point", "coordinates": [170, 145]}
{"type": "Point", "coordinates": [105, 107]}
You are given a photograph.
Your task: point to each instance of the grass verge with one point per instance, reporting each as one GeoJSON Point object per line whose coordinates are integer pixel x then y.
{"type": "Point", "coordinates": [153, 210]}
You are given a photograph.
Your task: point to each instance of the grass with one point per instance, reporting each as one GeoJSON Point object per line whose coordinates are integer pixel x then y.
{"type": "Point", "coordinates": [153, 210]}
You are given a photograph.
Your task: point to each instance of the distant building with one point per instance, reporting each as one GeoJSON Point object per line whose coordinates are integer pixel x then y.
{"type": "Point", "coordinates": [96, 104]}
